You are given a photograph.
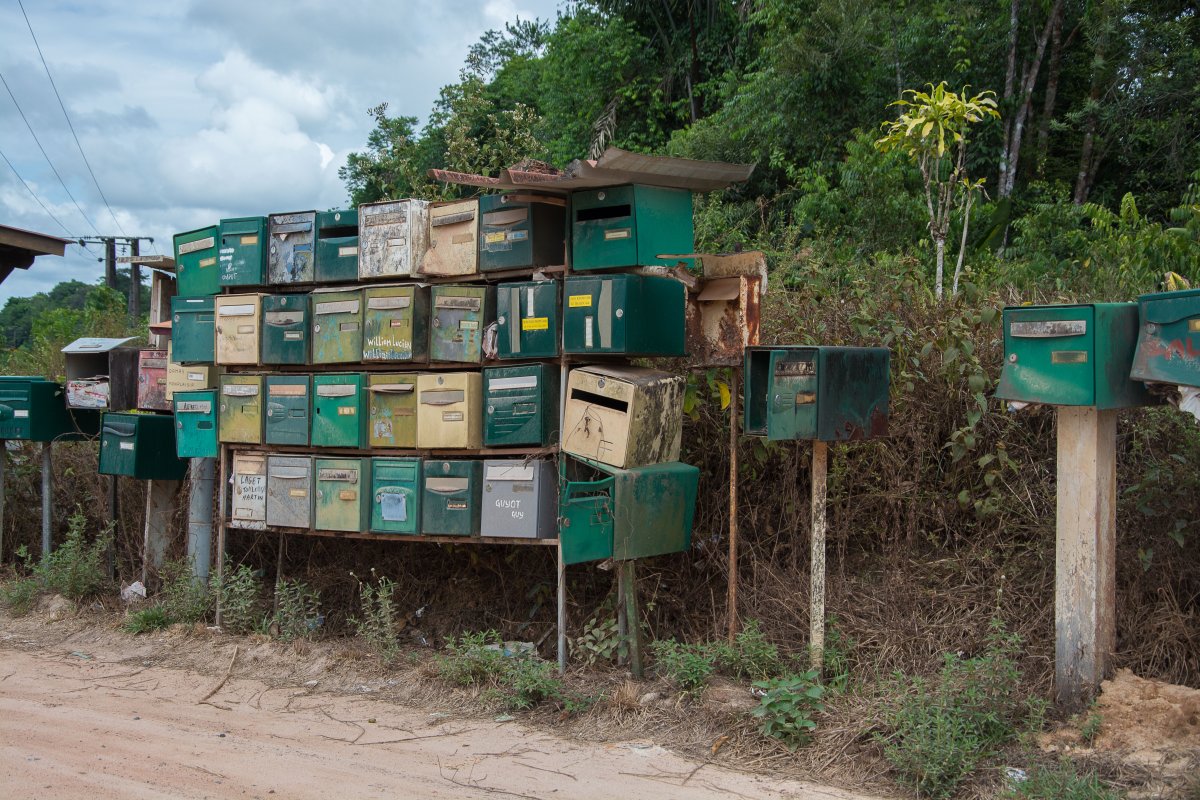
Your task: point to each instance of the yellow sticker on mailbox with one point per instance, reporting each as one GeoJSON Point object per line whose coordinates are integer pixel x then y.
{"type": "Point", "coordinates": [207, 262]}
{"type": "Point", "coordinates": [580, 301]}
{"type": "Point", "coordinates": [248, 240]}
{"type": "Point", "coordinates": [536, 323]}
{"type": "Point", "coordinates": [494, 238]}
{"type": "Point", "coordinates": [347, 494]}
{"type": "Point", "coordinates": [347, 411]}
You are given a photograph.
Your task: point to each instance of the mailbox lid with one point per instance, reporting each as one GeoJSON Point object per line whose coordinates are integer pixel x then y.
{"type": "Point", "coordinates": [196, 424]}
{"type": "Point", "coordinates": [460, 314]}
{"type": "Point", "coordinates": [238, 328]}
{"type": "Point", "coordinates": [338, 410]}
{"type": "Point", "coordinates": [285, 329]}
{"type": "Point", "coordinates": [453, 229]}
{"type": "Point", "coordinates": [392, 412]}
{"type": "Point", "coordinates": [290, 257]}
{"type": "Point", "coordinates": [1168, 346]}
{"type": "Point", "coordinates": [192, 330]}
{"type": "Point", "coordinates": [396, 495]}
{"type": "Point", "coordinates": [289, 491]}
{"type": "Point", "coordinates": [1050, 355]}
{"type": "Point", "coordinates": [396, 323]}
{"type": "Point", "coordinates": [520, 405]}
{"type": "Point", "coordinates": [196, 271]}
{"type": "Point", "coordinates": [450, 410]}
{"type": "Point", "coordinates": [393, 238]}
{"type": "Point", "coordinates": [341, 494]}
{"type": "Point", "coordinates": [152, 381]}
{"type": "Point", "coordinates": [629, 226]}
{"type": "Point", "coordinates": [527, 320]}
{"type": "Point", "coordinates": [337, 245]}
{"type": "Point", "coordinates": [586, 514]}
{"type": "Point", "coordinates": [521, 230]}
{"type": "Point", "coordinates": [243, 251]}
{"type": "Point", "coordinates": [627, 314]}
{"type": "Point", "coordinates": [450, 497]}
{"type": "Point", "coordinates": [519, 499]}
{"type": "Point", "coordinates": [240, 409]}
{"type": "Point", "coordinates": [139, 446]}
{"type": "Point", "coordinates": [248, 491]}
{"type": "Point", "coordinates": [337, 317]}
{"type": "Point", "coordinates": [288, 403]}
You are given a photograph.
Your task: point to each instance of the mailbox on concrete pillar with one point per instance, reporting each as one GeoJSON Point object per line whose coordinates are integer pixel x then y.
{"type": "Point", "coordinates": [392, 418]}
{"type": "Point", "coordinates": [337, 246]}
{"type": "Point", "coordinates": [520, 405]}
{"type": "Point", "coordinates": [629, 226]}
{"type": "Point", "coordinates": [288, 405]}
{"type": "Point", "coordinates": [152, 381]}
{"type": "Point", "coordinates": [289, 491]}
{"type": "Point", "coordinates": [248, 493]}
{"type": "Point", "coordinates": [624, 314]}
{"type": "Point", "coordinates": [453, 232]}
{"type": "Point", "coordinates": [393, 238]}
{"type": "Point", "coordinates": [192, 330]}
{"type": "Point", "coordinates": [238, 328]}
{"type": "Point", "coordinates": [623, 416]}
{"type": "Point", "coordinates": [196, 270]}
{"type": "Point", "coordinates": [521, 230]}
{"type": "Point", "coordinates": [450, 410]}
{"type": "Point", "coordinates": [1168, 347]}
{"type": "Point", "coordinates": [140, 446]}
{"type": "Point", "coordinates": [339, 416]}
{"type": "Point", "coordinates": [342, 487]}
{"type": "Point", "coordinates": [243, 252]}
{"type": "Point", "coordinates": [101, 374]}
{"type": "Point", "coordinates": [35, 409]}
{"type": "Point", "coordinates": [460, 316]}
{"type": "Point", "coordinates": [290, 257]}
{"type": "Point", "coordinates": [285, 327]}
{"type": "Point", "coordinates": [520, 499]}
{"type": "Point", "coordinates": [196, 424]}
{"type": "Point", "coordinates": [1071, 355]}
{"type": "Point", "coordinates": [396, 323]}
{"type": "Point", "coordinates": [527, 320]}
{"type": "Point", "coordinates": [828, 394]}
{"type": "Point", "coordinates": [337, 336]}
{"type": "Point", "coordinates": [450, 497]}
{"type": "Point", "coordinates": [240, 409]}
{"type": "Point", "coordinates": [396, 495]}
{"type": "Point", "coordinates": [188, 377]}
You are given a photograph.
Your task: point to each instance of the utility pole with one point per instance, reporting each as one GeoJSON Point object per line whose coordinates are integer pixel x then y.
{"type": "Point", "coordinates": [110, 263]}
{"type": "Point", "coordinates": [135, 281]}
{"type": "Point", "coordinates": [134, 299]}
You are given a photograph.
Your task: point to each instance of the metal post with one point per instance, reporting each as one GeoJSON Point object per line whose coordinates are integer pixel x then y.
{"type": "Point", "coordinates": [112, 517]}
{"type": "Point", "coordinates": [47, 496]}
{"type": "Point", "coordinates": [816, 599]}
{"type": "Point", "coordinates": [562, 610]}
{"type": "Point", "coordinates": [734, 425]}
{"type": "Point", "coordinates": [222, 468]}
{"type": "Point", "coordinates": [622, 621]}
{"type": "Point", "coordinates": [3, 464]}
{"type": "Point", "coordinates": [200, 517]}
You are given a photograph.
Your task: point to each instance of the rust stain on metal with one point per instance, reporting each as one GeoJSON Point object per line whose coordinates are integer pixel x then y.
{"type": "Point", "coordinates": [724, 319]}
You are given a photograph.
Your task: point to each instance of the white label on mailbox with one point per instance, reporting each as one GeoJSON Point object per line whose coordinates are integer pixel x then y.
{"type": "Point", "coordinates": [452, 416]}
{"type": "Point", "coordinates": [620, 233]}
{"type": "Point", "coordinates": [529, 301]}
{"type": "Point", "coordinates": [195, 376]}
{"type": "Point", "coordinates": [21, 413]}
{"type": "Point", "coordinates": [340, 307]}
{"type": "Point", "coordinates": [243, 310]}
{"type": "Point", "coordinates": [199, 244]}
{"type": "Point", "coordinates": [524, 382]}
{"type": "Point", "coordinates": [293, 336]}
{"type": "Point", "coordinates": [126, 445]}
{"type": "Point", "coordinates": [384, 303]}
{"type": "Point", "coordinates": [587, 331]}
{"type": "Point", "coordinates": [398, 241]}
{"type": "Point", "coordinates": [1046, 329]}
{"type": "Point", "coordinates": [347, 251]}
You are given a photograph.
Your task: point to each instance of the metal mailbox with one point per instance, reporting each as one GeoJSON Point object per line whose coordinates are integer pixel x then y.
{"type": "Point", "coordinates": [527, 320]}
{"type": "Point", "coordinates": [1168, 346]}
{"type": "Point", "coordinates": [238, 328]}
{"type": "Point", "coordinates": [288, 406]}
{"type": "Point", "coordinates": [520, 498]}
{"type": "Point", "coordinates": [243, 252]}
{"type": "Point", "coordinates": [453, 229]}
{"type": "Point", "coordinates": [629, 226]}
{"type": "Point", "coordinates": [341, 501]}
{"type": "Point", "coordinates": [35, 409]}
{"type": "Point", "coordinates": [1071, 355]}
{"type": "Point", "coordinates": [829, 394]}
{"type": "Point", "coordinates": [627, 513]}
{"type": "Point", "coordinates": [396, 323]}
{"type": "Point", "coordinates": [188, 377]}
{"type": "Point", "coordinates": [393, 237]}
{"type": "Point", "coordinates": [196, 424]}
{"type": "Point", "coordinates": [152, 381]}
{"type": "Point", "coordinates": [626, 314]}
{"type": "Point", "coordinates": [192, 330]}
{"type": "Point", "coordinates": [459, 316]}
{"type": "Point", "coordinates": [101, 374]}
{"type": "Point", "coordinates": [396, 495]}
{"type": "Point", "coordinates": [520, 405]}
{"type": "Point", "coordinates": [196, 271]}
{"type": "Point", "coordinates": [520, 231]}
{"type": "Point", "coordinates": [450, 410]}
{"type": "Point", "coordinates": [248, 495]}
{"type": "Point", "coordinates": [723, 320]}
{"type": "Point", "coordinates": [623, 416]}
{"type": "Point", "coordinates": [392, 419]}
{"type": "Point", "coordinates": [450, 498]}
{"type": "Point", "coordinates": [139, 446]}
{"type": "Point", "coordinates": [240, 411]}
{"type": "Point", "coordinates": [285, 329]}
{"type": "Point", "coordinates": [289, 491]}
{"type": "Point", "coordinates": [337, 246]}
{"type": "Point", "coordinates": [290, 258]}
{"type": "Point", "coordinates": [339, 418]}
{"type": "Point", "coordinates": [337, 326]}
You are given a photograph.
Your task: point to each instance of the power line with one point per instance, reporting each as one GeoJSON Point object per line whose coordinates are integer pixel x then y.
{"type": "Point", "coordinates": [49, 213]}
{"type": "Point", "coordinates": [68, 117]}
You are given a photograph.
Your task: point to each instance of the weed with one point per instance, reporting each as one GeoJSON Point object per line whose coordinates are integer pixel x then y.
{"type": "Point", "coordinates": [519, 682]}
{"type": "Point", "coordinates": [599, 643]}
{"type": "Point", "coordinates": [377, 626]}
{"type": "Point", "coordinates": [297, 611]}
{"type": "Point", "coordinates": [838, 647]}
{"type": "Point", "coordinates": [1061, 782]}
{"type": "Point", "coordinates": [240, 593]}
{"type": "Point", "coordinates": [146, 620]}
{"type": "Point", "coordinates": [1092, 724]}
{"type": "Point", "coordinates": [76, 569]}
{"type": "Point", "coordinates": [181, 596]}
{"type": "Point", "coordinates": [469, 660]}
{"type": "Point", "coordinates": [786, 709]}
{"type": "Point", "coordinates": [527, 681]}
{"type": "Point", "coordinates": [750, 655]}
{"type": "Point", "coordinates": [688, 666]}
{"type": "Point", "coordinates": [19, 595]}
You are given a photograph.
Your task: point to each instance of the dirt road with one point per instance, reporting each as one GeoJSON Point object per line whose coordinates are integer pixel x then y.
{"type": "Point", "coordinates": [77, 724]}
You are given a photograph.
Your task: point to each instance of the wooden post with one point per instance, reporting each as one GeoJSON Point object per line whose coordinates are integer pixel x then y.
{"type": "Point", "coordinates": [734, 425]}
{"type": "Point", "coordinates": [816, 590]}
{"type": "Point", "coordinates": [222, 499]}
{"type": "Point", "coordinates": [112, 504]}
{"type": "Point", "coordinates": [1085, 557]}
{"type": "Point", "coordinates": [561, 572]}
{"type": "Point", "coordinates": [633, 618]}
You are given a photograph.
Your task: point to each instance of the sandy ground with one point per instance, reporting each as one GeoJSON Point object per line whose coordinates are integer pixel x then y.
{"type": "Point", "coordinates": [95, 724]}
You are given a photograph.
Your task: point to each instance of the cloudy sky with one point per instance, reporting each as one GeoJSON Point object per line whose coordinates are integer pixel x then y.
{"type": "Point", "coordinates": [193, 111]}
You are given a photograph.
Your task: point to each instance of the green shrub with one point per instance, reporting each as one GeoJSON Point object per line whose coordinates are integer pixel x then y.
{"type": "Point", "coordinates": [181, 597]}
{"type": "Point", "coordinates": [146, 620]}
{"type": "Point", "coordinates": [469, 661]}
{"type": "Point", "coordinates": [1061, 782]}
{"type": "Point", "coordinates": [688, 666]}
{"type": "Point", "coordinates": [599, 643]}
{"type": "Point", "coordinates": [377, 625]}
{"type": "Point", "coordinates": [750, 656]}
{"type": "Point", "coordinates": [77, 569]}
{"type": "Point", "coordinates": [519, 682]}
{"type": "Point", "coordinates": [19, 595]}
{"type": "Point", "coordinates": [297, 611]}
{"type": "Point", "coordinates": [786, 709]}
{"type": "Point", "coordinates": [240, 592]}
{"type": "Point", "coordinates": [527, 681]}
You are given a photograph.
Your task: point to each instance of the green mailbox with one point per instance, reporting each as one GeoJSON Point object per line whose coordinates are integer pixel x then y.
{"type": "Point", "coordinates": [1071, 355]}
{"type": "Point", "coordinates": [337, 336]}
{"type": "Point", "coordinates": [140, 446]}
{"type": "Point", "coordinates": [396, 323]}
{"type": "Point", "coordinates": [626, 314]}
{"type": "Point", "coordinates": [285, 329]}
{"type": "Point", "coordinates": [392, 418]}
{"type": "Point", "coordinates": [240, 409]}
{"type": "Point", "coordinates": [451, 492]}
{"type": "Point", "coordinates": [460, 315]}
{"type": "Point", "coordinates": [288, 404]}
{"type": "Point", "coordinates": [629, 226]}
{"type": "Point", "coordinates": [1168, 347]}
{"type": "Point", "coordinates": [196, 271]}
{"type": "Point", "coordinates": [520, 405]}
{"type": "Point", "coordinates": [196, 424]}
{"type": "Point", "coordinates": [193, 334]}
{"type": "Point", "coordinates": [521, 231]}
{"type": "Point", "coordinates": [527, 320]}
{"type": "Point", "coordinates": [243, 253]}
{"type": "Point", "coordinates": [396, 495]}
{"type": "Point", "coordinates": [341, 494]}
{"type": "Point", "coordinates": [608, 512]}
{"type": "Point", "coordinates": [828, 394]}
{"type": "Point", "coordinates": [337, 246]}
{"type": "Point", "coordinates": [35, 409]}
{"type": "Point", "coordinates": [338, 413]}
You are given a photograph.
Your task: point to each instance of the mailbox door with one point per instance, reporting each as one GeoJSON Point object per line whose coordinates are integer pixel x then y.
{"type": "Point", "coordinates": [453, 228]}
{"type": "Point", "coordinates": [449, 410]}
{"type": "Point", "coordinates": [289, 491]}
{"type": "Point", "coordinates": [656, 318]}
{"type": "Point", "coordinates": [248, 498]}
{"type": "Point", "coordinates": [396, 495]}
{"type": "Point", "coordinates": [520, 406]}
{"type": "Point", "coordinates": [587, 521]}
{"type": "Point", "coordinates": [16, 405]}
{"type": "Point", "coordinates": [337, 246]}
{"type": "Point", "coordinates": [460, 314]}
{"type": "Point", "coordinates": [287, 409]}
{"type": "Point", "coordinates": [393, 410]}
{"type": "Point", "coordinates": [290, 259]}
{"type": "Point", "coordinates": [240, 414]}
{"type": "Point", "coordinates": [394, 236]}
{"type": "Point", "coordinates": [518, 499]}
{"type": "Point", "coordinates": [1168, 346]}
{"type": "Point", "coordinates": [450, 501]}
{"type": "Point", "coordinates": [1116, 336]}
{"type": "Point", "coordinates": [604, 229]}
{"type": "Point", "coordinates": [237, 328]}
{"type": "Point", "coordinates": [527, 320]}
{"type": "Point", "coordinates": [243, 253]}
{"type": "Point", "coordinates": [1050, 354]}
{"type": "Point", "coordinates": [757, 368]}
{"type": "Point", "coordinates": [723, 320]}
{"type": "Point", "coordinates": [595, 313]}
{"type": "Point", "coordinates": [337, 327]}
{"type": "Point", "coordinates": [853, 389]}
{"type": "Point", "coordinates": [192, 334]}
{"type": "Point", "coordinates": [337, 419]}
{"type": "Point", "coordinates": [196, 424]}
{"type": "Point", "coordinates": [152, 381]}
{"type": "Point", "coordinates": [396, 323]}
{"type": "Point", "coordinates": [655, 507]}
{"type": "Point", "coordinates": [792, 396]}
{"type": "Point", "coordinates": [118, 445]}
{"type": "Point", "coordinates": [285, 329]}
{"type": "Point", "coordinates": [196, 271]}
{"type": "Point", "coordinates": [341, 497]}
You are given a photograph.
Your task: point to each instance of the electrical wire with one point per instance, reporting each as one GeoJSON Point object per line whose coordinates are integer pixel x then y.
{"type": "Point", "coordinates": [49, 213]}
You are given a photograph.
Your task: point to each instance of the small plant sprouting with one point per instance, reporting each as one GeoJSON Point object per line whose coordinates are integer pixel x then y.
{"type": "Point", "coordinates": [785, 711]}
{"type": "Point", "coordinates": [377, 624]}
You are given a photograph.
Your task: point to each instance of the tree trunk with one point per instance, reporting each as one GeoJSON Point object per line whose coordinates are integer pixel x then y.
{"type": "Point", "coordinates": [1087, 163]}
{"type": "Point", "coordinates": [962, 247]}
{"type": "Point", "coordinates": [694, 67]}
{"type": "Point", "coordinates": [1043, 138]}
{"type": "Point", "coordinates": [940, 244]}
{"type": "Point", "coordinates": [1029, 80]}
{"type": "Point", "coordinates": [1010, 74]}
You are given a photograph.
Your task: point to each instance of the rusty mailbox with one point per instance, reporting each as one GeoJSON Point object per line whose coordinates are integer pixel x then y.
{"type": "Point", "coordinates": [393, 237]}
{"type": "Point", "coordinates": [248, 495]}
{"type": "Point", "coordinates": [623, 416]}
{"type": "Point", "coordinates": [723, 315]}
{"type": "Point", "coordinates": [1168, 344]}
{"type": "Point", "coordinates": [188, 377]}
{"type": "Point", "coordinates": [240, 413]}
{"type": "Point", "coordinates": [396, 323]}
{"type": "Point", "coordinates": [101, 374]}
{"type": "Point", "coordinates": [152, 381]}
{"type": "Point", "coordinates": [290, 257]}
{"type": "Point", "coordinates": [460, 315]}
{"type": "Point", "coordinates": [453, 250]}
{"type": "Point", "coordinates": [393, 409]}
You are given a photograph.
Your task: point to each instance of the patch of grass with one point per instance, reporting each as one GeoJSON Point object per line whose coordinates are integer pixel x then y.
{"type": "Point", "coordinates": [1061, 782]}
{"type": "Point", "coordinates": [1092, 724]}
{"type": "Point", "coordinates": [519, 682]}
{"type": "Point", "coordinates": [240, 591]}
{"type": "Point", "coordinates": [76, 569]}
{"type": "Point", "coordinates": [20, 594]}
{"type": "Point", "coordinates": [785, 712]}
{"type": "Point", "coordinates": [688, 666]}
{"type": "Point", "coordinates": [469, 661]}
{"type": "Point", "coordinates": [750, 656]}
{"type": "Point", "coordinates": [148, 619]}
{"type": "Point", "coordinates": [297, 611]}
{"type": "Point", "coordinates": [181, 597]}
{"type": "Point", "coordinates": [377, 625]}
